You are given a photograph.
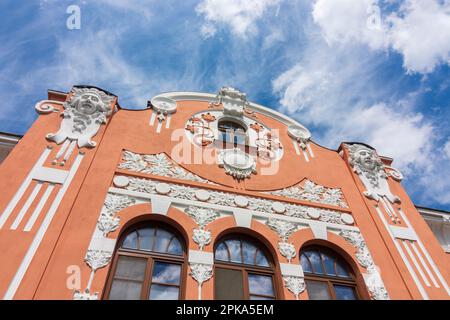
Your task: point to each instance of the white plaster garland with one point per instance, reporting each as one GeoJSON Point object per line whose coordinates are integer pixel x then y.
{"type": "Point", "coordinates": [371, 170]}
{"type": "Point", "coordinates": [228, 199]}
{"type": "Point", "coordinates": [157, 164]}
{"type": "Point", "coordinates": [312, 192]}
{"type": "Point", "coordinates": [201, 273]}
{"type": "Point", "coordinates": [296, 285]}
{"type": "Point", "coordinates": [373, 279]}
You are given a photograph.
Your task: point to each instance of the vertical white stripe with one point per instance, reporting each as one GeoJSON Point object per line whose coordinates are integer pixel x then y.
{"type": "Point", "coordinates": [168, 121]}
{"type": "Point", "coordinates": [152, 118]}
{"type": "Point", "coordinates": [402, 254]}
{"type": "Point", "coordinates": [15, 282]}
{"type": "Point", "coordinates": [386, 209]}
{"type": "Point", "coordinates": [310, 150]}
{"type": "Point", "coordinates": [12, 204]}
{"type": "Point", "coordinates": [414, 260]}
{"type": "Point", "coordinates": [158, 128]}
{"type": "Point", "coordinates": [425, 252]}
{"type": "Point", "coordinates": [27, 205]}
{"type": "Point", "coordinates": [388, 203]}
{"type": "Point", "coordinates": [296, 147]}
{"type": "Point", "coordinates": [306, 155]}
{"type": "Point", "coordinates": [425, 266]}
{"type": "Point", "coordinates": [39, 207]}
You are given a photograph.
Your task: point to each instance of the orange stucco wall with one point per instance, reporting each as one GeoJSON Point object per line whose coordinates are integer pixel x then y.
{"type": "Point", "coordinates": [69, 234]}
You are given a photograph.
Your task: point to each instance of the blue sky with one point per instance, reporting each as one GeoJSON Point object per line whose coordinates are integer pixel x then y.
{"type": "Point", "coordinates": [349, 70]}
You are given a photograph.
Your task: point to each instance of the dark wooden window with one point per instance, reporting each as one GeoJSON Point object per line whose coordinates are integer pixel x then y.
{"type": "Point", "coordinates": [243, 271]}
{"type": "Point", "coordinates": [327, 275]}
{"type": "Point", "coordinates": [148, 264]}
{"type": "Point", "coordinates": [232, 134]}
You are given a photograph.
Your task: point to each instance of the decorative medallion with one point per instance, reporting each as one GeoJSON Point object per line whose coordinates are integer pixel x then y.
{"type": "Point", "coordinates": [163, 106]}
{"type": "Point", "coordinates": [287, 250]}
{"type": "Point", "coordinates": [300, 134]}
{"type": "Point", "coordinates": [237, 163]}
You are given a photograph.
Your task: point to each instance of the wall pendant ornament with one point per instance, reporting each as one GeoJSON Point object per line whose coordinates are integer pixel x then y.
{"type": "Point", "coordinates": [108, 222]}
{"type": "Point", "coordinates": [287, 250]}
{"type": "Point", "coordinates": [372, 279]}
{"type": "Point", "coordinates": [201, 237]}
{"type": "Point", "coordinates": [237, 163]}
{"type": "Point", "coordinates": [371, 170]}
{"type": "Point", "coordinates": [85, 112]}
{"type": "Point", "coordinates": [201, 273]}
{"type": "Point", "coordinates": [296, 285]}
{"type": "Point", "coordinates": [97, 259]}
{"type": "Point", "coordinates": [202, 216]}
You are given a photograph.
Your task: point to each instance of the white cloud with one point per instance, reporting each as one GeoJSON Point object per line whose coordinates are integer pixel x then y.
{"type": "Point", "coordinates": [447, 149]}
{"type": "Point", "coordinates": [419, 30]}
{"type": "Point", "coordinates": [324, 97]}
{"type": "Point", "coordinates": [239, 15]}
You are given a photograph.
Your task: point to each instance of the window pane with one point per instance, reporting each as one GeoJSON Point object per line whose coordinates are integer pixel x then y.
{"type": "Point", "coordinates": [130, 268]}
{"type": "Point", "coordinates": [345, 292]}
{"type": "Point", "coordinates": [146, 238]}
{"type": "Point", "coordinates": [305, 263]}
{"type": "Point", "coordinates": [161, 292]}
{"type": "Point", "coordinates": [317, 290]}
{"type": "Point", "coordinates": [175, 247]}
{"type": "Point", "coordinates": [228, 284]}
{"type": "Point", "coordinates": [329, 264]}
{"type": "Point", "coordinates": [260, 284]}
{"type": "Point", "coordinates": [130, 241]}
{"type": "Point", "coordinates": [235, 250]}
{"type": "Point", "coordinates": [341, 269]}
{"type": "Point", "coordinates": [166, 273]}
{"type": "Point", "coordinates": [221, 252]}
{"type": "Point", "coordinates": [162, 240]}
{"type": "Point", "coordinates": [314, 257]}
{"type": "Point", "coordinates": [261, 259]}
{"type": "Point", "coordinates": [125, 290]}
{"type": "Point", "coordinates": [249, 251]}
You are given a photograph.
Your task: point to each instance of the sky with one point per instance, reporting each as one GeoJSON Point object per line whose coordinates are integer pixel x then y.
{"type": "Point", "coordinates": [372, 71]}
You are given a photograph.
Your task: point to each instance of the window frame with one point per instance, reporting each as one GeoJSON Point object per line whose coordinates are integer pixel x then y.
{"type": "Point", "coordinates": [233, 143]}
{"type": "Point", "coordinates": [247, 269]}
{"type": "Point", "coordinates": [151, 257]}
{"type": "Point", "coordinates": [330, 280]}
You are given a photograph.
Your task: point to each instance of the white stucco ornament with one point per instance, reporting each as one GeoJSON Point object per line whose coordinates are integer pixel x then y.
{"type": "Point", "coordinates": [299, 133]}
{"type": "Point", "coordinates": [237, 163]}
{"type": "Point", "coordinates": [85, 111]}
{"type": "Point", "coordinates": [371, 170]}
{"type": "Point", "coordinates": [163, 106]}
{"type": "Point", "coordinates": [234, 102]}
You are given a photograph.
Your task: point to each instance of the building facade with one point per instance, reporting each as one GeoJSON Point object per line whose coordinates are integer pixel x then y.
{"type": "Point", "coordinates": [205, 196]}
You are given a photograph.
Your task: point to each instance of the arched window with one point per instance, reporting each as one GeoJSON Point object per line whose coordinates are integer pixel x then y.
{"type": "Point", "coordinates": [327, 275]}
{"type": "Point", "coordinates": [231, 133]}
{"type": "Point", "coordinates": [148, 264]}
{"type": "Point", "coordinates": [243, 270]}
